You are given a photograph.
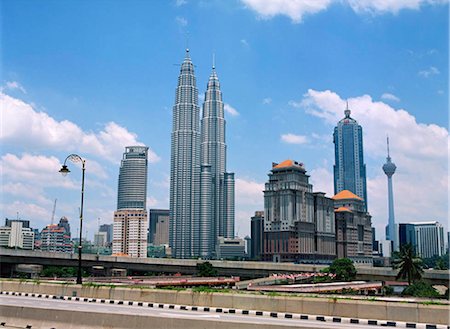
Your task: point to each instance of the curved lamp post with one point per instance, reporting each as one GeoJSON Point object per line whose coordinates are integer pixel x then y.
{"type": "Point", "coordinates": [64, 171]}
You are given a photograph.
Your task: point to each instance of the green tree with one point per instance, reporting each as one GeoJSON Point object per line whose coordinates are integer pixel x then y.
{"type": "Point", "coordinates": [408, 264]}
{"type": "Point", "coordinates": [206, 269]}
{"type": "Point", "coordinates": [420, 289]}
{"type": "Point", "coordinates": [343, 268]}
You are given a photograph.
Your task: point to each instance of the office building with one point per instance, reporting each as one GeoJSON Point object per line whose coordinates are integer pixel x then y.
{"type": "Point", "coordinates": [257, 235]}
{"type": "Point", "coordinates": [64, 222]}
{"type": "Point", "coordinates": [353, 228]}
{"type": "Point", "coordinates": [17, 234]}
{"type": "Point", "coordinates": [158, 230]}
{"type": "Point", "coordinates": [55, 238]}
{"type": "Point", "coordinates": [298, 224]}
{"type": "Point", "coordinates": [227, 248]}
{"type": "Point", "coordinates": [216, 185]}
{"type": "Point", "coordinates": [185, 166]}
{"type": "Point", "coordinates": [349, 168]}
{"type": "Point", "coordinates": [130, 219]}
{"type": "Point", "coordinates": [201, 190]}
{"type": "Point", "coordinates": [427, 238]}
{"type": "Point", "coordinates": [130, 233]}
{"type": "Point", "coordinates": [108, 229]}
{"type": "Point", "coordinates": [100, 239]}
{"type": "Point", "coordinates": [132, 186]}
{"type": "Point", "coordinates": [391, 229]}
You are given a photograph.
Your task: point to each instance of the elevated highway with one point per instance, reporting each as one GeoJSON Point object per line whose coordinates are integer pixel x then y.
{"type": "Point", "coordinates": [9, 258]}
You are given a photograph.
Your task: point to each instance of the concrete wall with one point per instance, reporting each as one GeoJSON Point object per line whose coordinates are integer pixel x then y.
{"type": "Point", "coordinates": [396, 311]}
{"type": "Point", "coordinates": [41, 318]}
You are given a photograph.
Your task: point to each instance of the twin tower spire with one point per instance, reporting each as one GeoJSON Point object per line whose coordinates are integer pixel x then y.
{"type": "Point", "coordinates": [201, 190]}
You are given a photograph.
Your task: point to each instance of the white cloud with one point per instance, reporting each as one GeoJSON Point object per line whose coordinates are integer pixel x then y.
{"type": "Point", "coordinates": [429, 72]}
{"type": "Point", "coordinates": [28, 211]}
{"type": "Point", "coordinates": [267, 100]}
{"type": "Point", "coordinates": [26, 191]}
{"type": "Point", "coordinates": [294, 139]}
{"type": "Point", "coordinates": [230, 110]}
{"type": "Point", "coordinates": [13, 85]}
{"type": "Point", "coordinates": [249, 192]}
{"type": "Point", "coordinates": [322, 181]}
{"type": "Point", "coordinates": [24, 126]}
{"type": "Point", "coordinates": [389, 6]}
{"type": "Point", "coordinates": [180, 3]}
{"type": "Point", "coordinates": [181, 21]}
{"type": "Point", "coordinates": [297, 9]}
{"type": "Point", "coordinates": [390, 97]}
{"type": "Point", "coordinates": [245, 43]}
{"type": "Point", "coordinates": [419, 151]}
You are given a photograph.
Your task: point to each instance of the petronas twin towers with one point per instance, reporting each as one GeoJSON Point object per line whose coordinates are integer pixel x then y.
{"type": "Point", "coordinates": [201, 191]}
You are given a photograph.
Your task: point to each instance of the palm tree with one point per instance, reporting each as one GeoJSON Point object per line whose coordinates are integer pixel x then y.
{"type": "Point", "coordinates": [408, 264]}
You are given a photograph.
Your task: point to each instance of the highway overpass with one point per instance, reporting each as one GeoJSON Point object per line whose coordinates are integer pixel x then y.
{"type": "Point", "coordinates": [245, 269]}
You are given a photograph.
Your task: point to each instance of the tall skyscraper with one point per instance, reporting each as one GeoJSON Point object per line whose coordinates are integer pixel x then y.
{"type": "Point", "coordinates": [391, 232]}
{"type": "Point", "coordinates": [257, 233]}
{"type": "Point", "coordinates": [130, 219]}
{"type": "Point", "coordinates": [349, 168]}
{"type": "Point", "coordinates": [201, 191]}
{"type": "Point", "coordinates": [185, 166]}
{"type": "Point", "coordinates": [217, 186]}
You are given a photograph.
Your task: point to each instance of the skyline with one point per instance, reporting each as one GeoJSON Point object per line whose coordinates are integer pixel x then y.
{"type": "Point", "coordinates": [92, 86]}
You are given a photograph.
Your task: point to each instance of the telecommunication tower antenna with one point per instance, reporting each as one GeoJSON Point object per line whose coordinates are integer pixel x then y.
{"type": "Point", "coordinates": [53, 212]}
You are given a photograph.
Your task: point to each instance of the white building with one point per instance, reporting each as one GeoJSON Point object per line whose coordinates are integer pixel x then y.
{"type": "Point", "coordinates": [227, 248]}
{"type": "Point", "coordinates": [17, 236]}
{"type": "Point", "coordinates": [130, 233]}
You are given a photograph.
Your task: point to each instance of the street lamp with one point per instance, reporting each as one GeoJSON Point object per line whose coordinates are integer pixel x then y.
{"type": "Point", "coordinates": [64, 171]}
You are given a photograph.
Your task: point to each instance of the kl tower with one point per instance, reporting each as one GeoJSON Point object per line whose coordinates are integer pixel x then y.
{"type": "Point", "coordinates": [391, 233]}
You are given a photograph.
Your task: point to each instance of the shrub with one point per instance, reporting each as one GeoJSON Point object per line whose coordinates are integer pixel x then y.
{"type": "Point", "coordinates": [420, 289]}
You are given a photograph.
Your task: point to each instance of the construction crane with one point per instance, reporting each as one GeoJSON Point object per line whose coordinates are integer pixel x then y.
{"type": "Point", "coordinates": [53, 212]}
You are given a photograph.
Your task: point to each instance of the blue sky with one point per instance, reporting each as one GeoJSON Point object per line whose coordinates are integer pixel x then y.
{"type": "Point", "coordinates": [92, 77]}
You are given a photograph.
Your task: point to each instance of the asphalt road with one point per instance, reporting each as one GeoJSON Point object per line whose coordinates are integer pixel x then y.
{"type": "Point", "coordinates": [86, 307]}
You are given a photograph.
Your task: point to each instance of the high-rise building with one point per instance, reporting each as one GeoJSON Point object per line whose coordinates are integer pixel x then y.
{"type": "Point", "coordinates": [130, 219]}
{"type": "Point", "coordinates": [55, 238]}
{"type": "Point", "coordinates": [427, 238]}
{"type": "Point", "coordinates": [158, 230]}
{"type": "Point", "coordinates": [298, 224]}
{"type": "Point", "coordinates": [108, 229]}
{"type": "Point", "coordinates": [353, 228]}
{"type": "Point", "coordinates": [130, 233]}
{"type": "Point", "coordinates": [17, 234]}
{"type": "Point", "coordinates": [201, 190]}
{"type": "Point", "coordinates": [185, 166]}
{"type": "Point", "coordinates": [257, 235]}
{"type": "Point", "coordinates": [391, 229]}
{"type": "Point", "coordinates": [216, 185]}
{"type": "Point", "coordinates": [349, 168]}
{"type": "Point", "coordinates": [64, 222]}
{"type": "Point", "coordinates": [132, 186]}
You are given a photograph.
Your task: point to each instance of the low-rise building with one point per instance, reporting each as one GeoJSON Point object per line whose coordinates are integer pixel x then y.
{"type": "Point", "coordinates": [230, 248]}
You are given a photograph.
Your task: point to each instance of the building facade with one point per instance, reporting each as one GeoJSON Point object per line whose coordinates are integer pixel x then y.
{"type": "Point", "coordinates": [130, 233]}
{"type": "Point", "coordinates": [130, 219]}
{"type": "Point", "coordinates": [216, 185]}
{"type": "Point", "coordinates": [391, 228]}
{"type": "Point", "coordinates": [17, 234]}
{"type": "Point", "coordinates": [427, 238]}
{"type": "Point", "coordinates": [108, 229]}
{"type": "Point", "coordinates": [201, 190]}
{"type": "Point", "coordinates": [349, 168]}
{"type": "Point", "coordinates": [55, 238]}
{"type": "Point", "coordinates": [227, 248]}
{"type": "Point", "coordinates": [298, 224]}
{"type": "Point", "coordinates": [353, 228]}
{"type": "Point", "coordinates": [158, 233]}
{"type": "Point", "coordinates": [257, 235]}
{"type": "Point", "coordinates": [185, 166]}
